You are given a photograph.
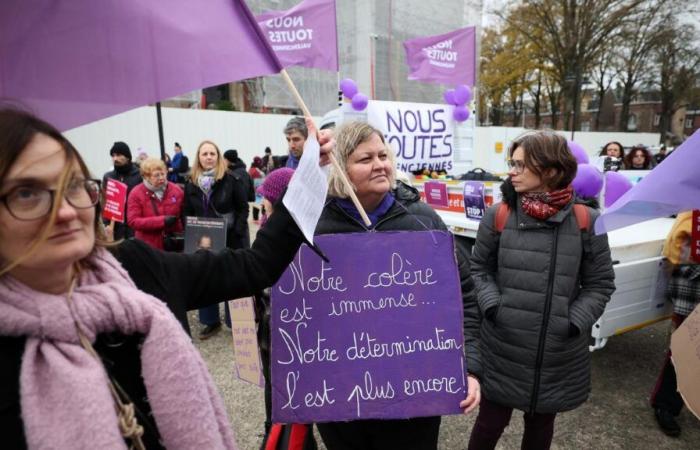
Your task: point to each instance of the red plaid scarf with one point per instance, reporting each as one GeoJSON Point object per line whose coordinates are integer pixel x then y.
{"type": "Point", "coordinates": [543, 205]}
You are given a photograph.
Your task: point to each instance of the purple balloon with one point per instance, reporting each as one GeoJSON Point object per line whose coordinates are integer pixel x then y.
{"type": "Point", "coordinates": [449, 97]}
{"type": "Point", "coordinates": [579, 153]}
{"type": "Point", "coordinates": [616, 185]}
{"type": "Point", "coordinates": [462, 94]}
{"type": "Point", "coordinates": [460, 114]}
{"type": "Point", "coordinates": [349, 87]}
{"type": "Point", "coordinates": [588, 181]}
{"type": "Point", "coordinates": [359, 102]}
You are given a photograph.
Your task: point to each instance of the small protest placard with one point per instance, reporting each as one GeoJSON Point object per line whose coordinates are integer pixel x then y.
{"type": "Point", "coordinates": [375, 333]}
{"type": "Point", "coordinates": [474, 204]}
{"type": "Point", "coordinates": [115, 200]}
{"type": "Point", "coordinates": [245, 342]}
{"type": "Point", "coordinates": [204, 233]}
{"type": "Point", "coordinates": [436, 194]}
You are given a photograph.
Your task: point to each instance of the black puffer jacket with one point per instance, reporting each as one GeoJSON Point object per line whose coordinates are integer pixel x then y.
{"type": "Point", "coordinates": [540, 293]}
{"type": "Point", "coordinates": [409, 213]}
{"type": "Point", "coordinates": [228, 196]}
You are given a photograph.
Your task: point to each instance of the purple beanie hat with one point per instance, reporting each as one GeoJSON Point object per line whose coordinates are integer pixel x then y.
{"type": "Point", "coordinates": [275, 184]}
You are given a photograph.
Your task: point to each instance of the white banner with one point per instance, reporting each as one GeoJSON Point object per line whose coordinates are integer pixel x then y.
{"type": "Point", "coordinates": [421, 134]}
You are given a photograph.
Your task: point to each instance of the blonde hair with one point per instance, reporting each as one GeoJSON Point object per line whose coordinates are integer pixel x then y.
{"type": "Point", "coordinates": [219, 170]}
{"type": "Point", "coordinates": [149, 165]}
{"type": "Point", "coordinates": [349, 136]}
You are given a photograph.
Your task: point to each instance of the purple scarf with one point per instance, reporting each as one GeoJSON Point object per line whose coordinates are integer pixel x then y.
{"type": "Point", "coordinates": [64, 393]}
{"type": "Point", "coordinates": [374, 216]}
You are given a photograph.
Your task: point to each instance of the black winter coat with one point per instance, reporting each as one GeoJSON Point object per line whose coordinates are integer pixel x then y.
{"type": "Point", "coordinates": [228, 195]}
{"type": "Point", "coordinates": [409, 213]}
{"type": "Point", "coordinates": [184, 282]}
{"type": "Point", "coordinates": [541, 286]}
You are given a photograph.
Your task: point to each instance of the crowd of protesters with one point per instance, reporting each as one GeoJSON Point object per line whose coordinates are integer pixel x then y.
{"type": "Point", "coordinates": [93, 328]}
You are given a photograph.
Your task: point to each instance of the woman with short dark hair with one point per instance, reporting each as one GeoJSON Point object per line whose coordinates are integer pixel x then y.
{"type": "Point", "coordinates": [542, 281]}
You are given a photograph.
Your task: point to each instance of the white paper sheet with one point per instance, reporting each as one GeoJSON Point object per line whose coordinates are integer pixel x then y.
{"type": "Point", "coordinates": [307, 190]}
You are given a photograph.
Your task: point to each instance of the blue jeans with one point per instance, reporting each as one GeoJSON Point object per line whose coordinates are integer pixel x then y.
{"type": "Point", "coordinates": [210, 315]}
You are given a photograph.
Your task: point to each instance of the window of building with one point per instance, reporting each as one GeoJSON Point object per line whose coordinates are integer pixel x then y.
{"type": "Point", "coordinates": [632, 122]}
{"type": "Point", "coordinates": [657, 119]}
{"type": "Point", "coordinates": [689, 123]}
{"type": "Point", "coordinates": [586, 126]}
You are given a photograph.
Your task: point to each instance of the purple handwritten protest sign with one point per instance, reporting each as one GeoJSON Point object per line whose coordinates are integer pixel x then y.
{"type": "Point", "coordinates": [448, 58]}
{"type": "Point", "coordinates": [474, 204]}
{"type": "Point", "coordinates": [436, 193]}
{"type": "Point", "coordinates": [304, 35]}
{"type": "Point", "coordinates": [377, 333]}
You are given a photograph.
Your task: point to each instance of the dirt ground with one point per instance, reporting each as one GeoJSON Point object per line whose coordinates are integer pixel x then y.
{"type": "Point", "coordinates": [616, 416]}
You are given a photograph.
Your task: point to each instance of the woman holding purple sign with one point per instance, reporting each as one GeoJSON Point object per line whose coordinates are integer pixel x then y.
{"type": "Point", "coordinates": [369, 163]}
{"type": "Point", "coordinates": [542, 281]}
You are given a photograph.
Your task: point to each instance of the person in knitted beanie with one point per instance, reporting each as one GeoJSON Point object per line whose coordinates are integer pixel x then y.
{"type": "Point", "coordinates": [272, 188]}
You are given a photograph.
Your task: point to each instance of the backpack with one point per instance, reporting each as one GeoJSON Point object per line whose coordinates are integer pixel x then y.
{"type": "Point", "coordinates": [583, 219]}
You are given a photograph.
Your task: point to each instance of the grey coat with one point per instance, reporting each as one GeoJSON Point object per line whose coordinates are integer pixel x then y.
{"type": "Point", "coordinates": [409, 213]}
{"type": "Point", "coordinates": [540, 293]}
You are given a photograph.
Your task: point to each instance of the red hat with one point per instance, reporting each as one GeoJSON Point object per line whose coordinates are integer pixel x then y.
{"type": "Point", "coordinates": [275, 184]}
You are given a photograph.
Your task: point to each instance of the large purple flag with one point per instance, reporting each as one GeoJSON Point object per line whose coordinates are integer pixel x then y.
{"type": "Point", "coordinates": [78, 61]}
{"type": "Point", "coordinates": [304, 35]}
{"type": "Point", "coordinates": [672, 186]}
{"type": "Point", "coordinates": [448, 58]}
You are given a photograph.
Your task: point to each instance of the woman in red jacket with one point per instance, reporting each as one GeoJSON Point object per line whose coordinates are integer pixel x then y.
{"type": "Point", "coordinates": [154, 206]}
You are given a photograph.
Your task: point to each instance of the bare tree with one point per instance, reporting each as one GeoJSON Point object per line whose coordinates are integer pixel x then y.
{"type": "Point", "coordinates": [603, 75]}
{"type": "Point", "coordinates": [678, 58]}
{"type": "Point", "coordinates": [635, 49]}
{"type": "Point", "coordinates": [570, 34]}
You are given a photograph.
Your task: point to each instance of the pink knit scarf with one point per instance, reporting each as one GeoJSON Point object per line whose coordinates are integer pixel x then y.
{"type": "Point", "coordinates": [64, 393]}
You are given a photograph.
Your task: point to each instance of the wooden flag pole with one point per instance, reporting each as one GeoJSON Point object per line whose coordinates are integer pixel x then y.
{"type": "Point", "coordinates": [334, 162]}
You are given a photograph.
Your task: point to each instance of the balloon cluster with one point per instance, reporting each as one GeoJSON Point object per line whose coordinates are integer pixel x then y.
{"type": "Point", "coordinates": [349, 88]}
{"type": "Point", "coordinates": [459, 97]}
{"type": "Point", "coordinates": [589, 180]}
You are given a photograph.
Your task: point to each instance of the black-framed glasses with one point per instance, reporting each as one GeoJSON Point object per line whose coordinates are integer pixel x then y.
{"type": "Point", "coordinates": [30, 202]}
{"type": "Point", "coordinates": [515, 165]}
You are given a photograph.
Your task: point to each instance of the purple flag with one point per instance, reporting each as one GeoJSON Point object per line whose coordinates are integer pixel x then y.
{"type": "Point", "coordinates": [448, 58]}
{"type": "Point", "coordinates": [375, 333]}
{"type": "Point", "coordinates": [673, 186]}
{"type": "Point", "coordinates": [304, 35]}
{"type": "Point", "coordinates": [78, 61]}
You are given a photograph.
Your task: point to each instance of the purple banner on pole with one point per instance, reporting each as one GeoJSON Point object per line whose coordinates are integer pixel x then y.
{"type": "Point", "coordinates": [436, 194]}
{"type": "Point", "coordinates": [448, 58]}
{"type": "Point", "coordinates": [377, 333]}
{"type": "Point", "coordinates": [78, 61]}
{"type": "Point", "coordinates": [474, 204]}
{"type": "Point", "coordinates": [304, 35]}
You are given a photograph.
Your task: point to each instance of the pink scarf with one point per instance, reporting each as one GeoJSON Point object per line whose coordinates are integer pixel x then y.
{"type": "Point", "coordinates": [64, 393]}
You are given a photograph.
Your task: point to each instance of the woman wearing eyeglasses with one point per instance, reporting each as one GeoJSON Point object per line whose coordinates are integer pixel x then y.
{"type": "Point", "coordinates": [91, 355]}
{"type": "Point", "coordinates": [154, 206]}
{"type": "Point", "coordinates": [542, 281]}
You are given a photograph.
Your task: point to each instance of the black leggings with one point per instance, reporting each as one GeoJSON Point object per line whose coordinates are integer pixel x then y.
{"type": "Point", "coordinates": [494, 418]}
